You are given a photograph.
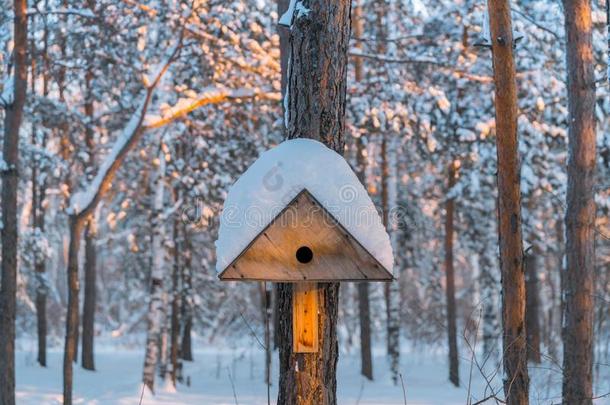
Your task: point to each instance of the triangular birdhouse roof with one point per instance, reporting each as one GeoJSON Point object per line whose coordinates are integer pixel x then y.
{"type": "Point", "coordinates": [270, 187]}
{"type": "Point", "coordinates": [305, 243]}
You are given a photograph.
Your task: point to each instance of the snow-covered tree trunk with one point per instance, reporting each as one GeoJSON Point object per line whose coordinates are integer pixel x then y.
{"type": "Point", "coordinates": [315, 100]}
{"type": "Point", "coordinates": [579, 283]}
{"type": "Point", "coordinates": [157, 307]}
{"type": "Point", "coordinates": [13, 115]}
{"type": "Point", "coordinates": [516, 380]}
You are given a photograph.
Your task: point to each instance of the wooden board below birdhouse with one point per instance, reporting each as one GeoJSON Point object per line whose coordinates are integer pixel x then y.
{"type": "Point", "coordinates": [305, 317]}
{"type": "Point", "coordinates": [305, 243]}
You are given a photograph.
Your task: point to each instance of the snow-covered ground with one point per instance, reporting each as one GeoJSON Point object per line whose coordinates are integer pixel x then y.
{"type": "Point", "coordinates": [235, 376]}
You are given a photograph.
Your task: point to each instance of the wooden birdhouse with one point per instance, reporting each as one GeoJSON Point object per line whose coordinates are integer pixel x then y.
{"type": "Point", "coordinates": [314, 223]}
{"type": "Point", "coordinates": [305, 243]}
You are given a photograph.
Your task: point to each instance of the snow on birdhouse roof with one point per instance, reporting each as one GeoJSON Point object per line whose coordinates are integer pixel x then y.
{"type": "Point", "coordinates": [277, 177]}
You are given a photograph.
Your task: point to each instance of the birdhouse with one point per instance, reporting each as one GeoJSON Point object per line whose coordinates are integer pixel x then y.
{"type": "Point", "coordinates": [299, 215]}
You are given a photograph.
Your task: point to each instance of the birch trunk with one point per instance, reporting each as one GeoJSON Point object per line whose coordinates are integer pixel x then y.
{"type": "Point", "coordinates": [157, 309]}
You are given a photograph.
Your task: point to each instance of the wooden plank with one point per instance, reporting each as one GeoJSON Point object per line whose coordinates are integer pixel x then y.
{"type": "Point", "coordinates": [337, 255]}
{"type": "Point", "coordinates": [305, 317]}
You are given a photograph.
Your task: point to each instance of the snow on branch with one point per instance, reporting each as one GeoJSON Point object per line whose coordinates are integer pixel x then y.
{"type": "Point", "coordinates": [383, 58]}
{"type": "Point", "coordinates": [85, 13]}
{"type": "Point", "coordinates": [210, 95]}
{"type": "Point", "coordinates": [83, 202]}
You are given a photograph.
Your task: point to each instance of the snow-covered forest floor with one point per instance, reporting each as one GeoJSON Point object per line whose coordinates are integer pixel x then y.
{"type": "Point", "coordinates": [224, 376]}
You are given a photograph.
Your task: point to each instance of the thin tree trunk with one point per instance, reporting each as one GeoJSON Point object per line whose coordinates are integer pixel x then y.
{"type": "Point", "coordinates": [10, 179]}
{"type": "Point", "coordinates": [516, 382]}
{"type": "Point", "coordinates": [319, 42]}
{"type": "Point", "coordinates": [366, 358]}
{"type": "Point", "coordinates": [580, 213]}
{"type": "Point", "coordinates": [454, 373]}
{"type": "Point", "coordinates": [532, 308]}
{"type": "Point", "coordinates": [156, 310]}
{"type": "Point", "coordinates": [38, 210]}
{"type": "Point", "coordinates": [284, 34]}
{"type": "Point", "coordinates": [76, 225]}
{"type": "Point", "coordinates": [266, 318]}
{"type": "Point", "coordinates": [87, 352]}
{"type": "Point", "coordinates": [186, 351]}
{"type": "Point", "coordinates": [176, 364]}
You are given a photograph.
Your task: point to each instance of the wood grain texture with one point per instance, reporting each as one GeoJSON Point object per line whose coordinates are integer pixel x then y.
{"type": "Point", "coordinates": [337, 255]}
{"type": "Point", "coordinates": [305, 317]}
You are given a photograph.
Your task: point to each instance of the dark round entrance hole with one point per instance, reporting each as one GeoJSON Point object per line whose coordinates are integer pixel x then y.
{"type": "Point", "coordinates": [304, 254]}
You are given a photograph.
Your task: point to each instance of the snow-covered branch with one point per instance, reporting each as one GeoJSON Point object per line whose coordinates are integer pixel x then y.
{"type": "Point", "coordinates": [382, 58]}
{"type": "Point", "coordinates": [83, 202]}
{"type": "Point", "coordinates": [211, 95]}
{"type": "Point", "coordinates": [85, 13]}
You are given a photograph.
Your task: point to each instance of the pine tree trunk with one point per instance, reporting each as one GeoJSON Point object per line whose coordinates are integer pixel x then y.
{"type": "Point", "coordinates": [319, 41]}
{"type": "Point", "coordinates": [76, 225]}
{"type": "Point", "coordinates": [532, 308]}
{"type": "Point", "coordinates": [454, 372]}
{"type": "Point", "coordinates": [90, 264]}
{"type": "Point", "coordinates": [580, 213]}
{"type": "Point", "coordinates": [516, 381]}
{"type": "Point", "coordinates": [10, 179]}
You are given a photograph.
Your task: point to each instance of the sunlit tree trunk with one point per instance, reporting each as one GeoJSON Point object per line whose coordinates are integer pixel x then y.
{"type": "Point", "coordinates": [578, 285]}
{"type": "Point", "coordinates": [516, 380]}
{"type": "Point", "coordinates": [319, 42]}
{"type": "Point", "coordinates": [10, 180]}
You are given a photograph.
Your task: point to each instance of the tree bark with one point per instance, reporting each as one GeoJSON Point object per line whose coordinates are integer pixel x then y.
{"type": "Point", "coordinates": [454, 372]}
{"type": "Point", "coordinates": [175, 359]}
{"type": "Point", "coordinates": [10, 178]}
{"type": "Point", "coordinates": [186, 351]}
{"type": "Point", "coordinates": [516, 383]}
{"type": "Point", "coordinates": [157, 314]}
{"type": "Point", "coordinates": [87, 352]}
{"type": "Point", "coordinates": [38, 210]}
{"type": "Point", "coordinates": [363, 288]}
{"type": "Point", "coordinates": [76, 225]}
{"type": "Point", "coordinates": [580, 213]}
{"type": "Point", "coordinates": [284, 34]}
{"type": "Point", "coordinates": [319, 41]}
{"type": "Point", "coordinates": [532, 308]}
